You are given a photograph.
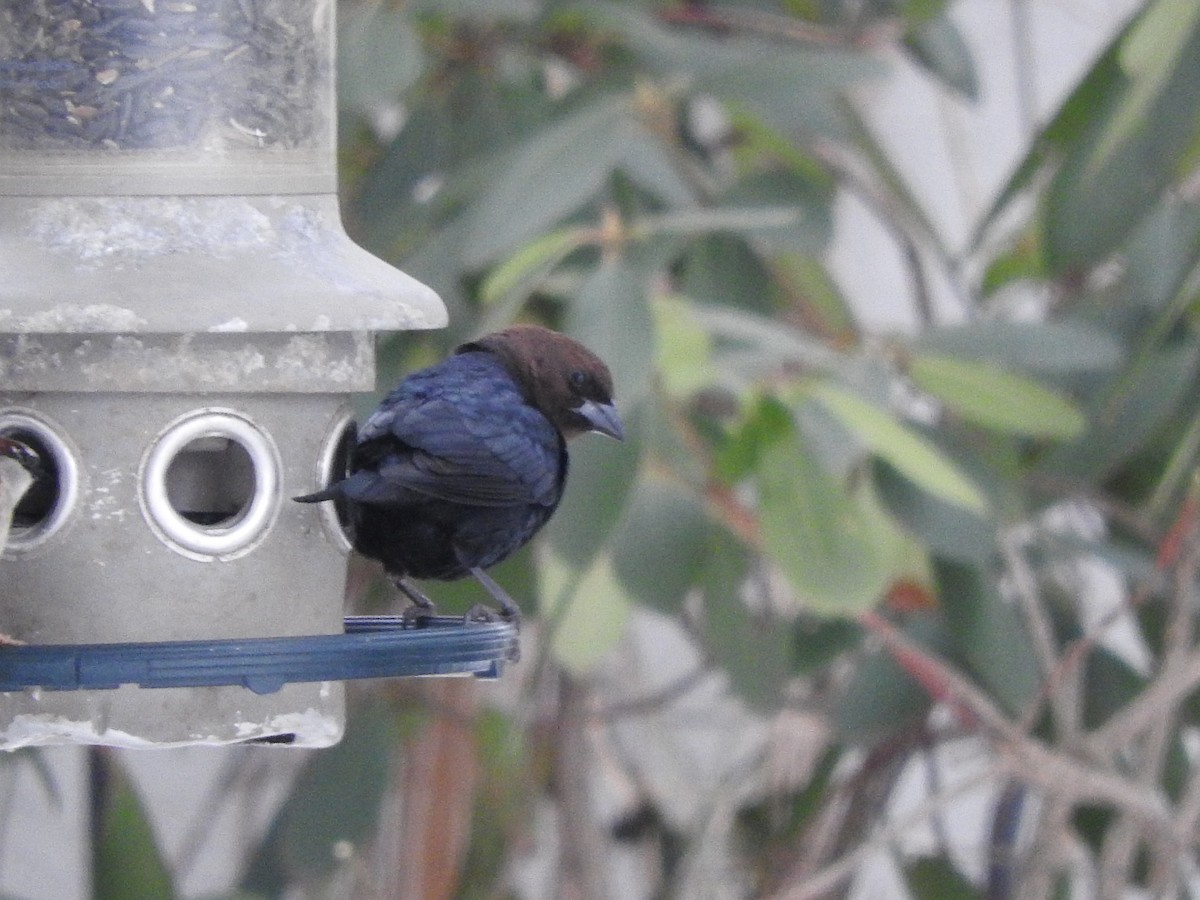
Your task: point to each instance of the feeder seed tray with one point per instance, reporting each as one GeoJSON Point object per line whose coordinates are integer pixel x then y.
{"type": "Point", "coordinates": [370, 647]}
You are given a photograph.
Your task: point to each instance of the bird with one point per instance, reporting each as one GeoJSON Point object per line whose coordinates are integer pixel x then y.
{"type": "Point", "coordinates": [30, 459]}
{"type": "Point", "coordinates": [464, 461]}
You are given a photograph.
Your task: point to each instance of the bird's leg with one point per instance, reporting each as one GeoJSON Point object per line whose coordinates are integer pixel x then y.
{"type": "Point", "coordinates": [420, 606]}
{"type": "Point", "coordinates": [508, 609]}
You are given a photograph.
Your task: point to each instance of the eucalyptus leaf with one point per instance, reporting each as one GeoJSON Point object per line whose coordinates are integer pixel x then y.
{"type": "Point", "coordinates": [602, 473]}
{"type": "Point", "coordinates": [722, 269]}
{"type": "Point", "coordinates": [588, 610]}
{"type": "Point", "coordinates": [880, 699]}
{"type": "Point", "coordinates": [996, 398]}
{"type": "Point", "coordinates": [521, 272]}
{"type": "Point", "coordinates": [768, 337]}
{"type": "Point", "coordinates": [709, 59]}
{"type": "Point", "coordinates": [1132, 150]}
{"type": "Point", "coordinates": [1129, 412]}
{"type": "Point", "coordinates": [989, 633]}
{"type": "Point", "coordinates": [649, 162]}
{"type": "Point", "coordinates": [809, 197]}
{"type": "Point", "coordinates": [661, 544]}
{"type": "Point", "coordinates": [380, 55]}
{"type": "Point", "coordinates": [611, 315]}
{"type": "Point", "coordinates": [752, 650]}
{"type": "Point", "coordinates": [939, 46]}
{"type": "Point", "coordinates": [946, 529]}
{"type": "Point", "coordinates": [906, 450]}
{"type": "Point", "coordinates": [683, 356]}
{"type": "Point", "coordinates": [126, 861]}
{"type": "Point", "coordinates": [837, 549]}
{"type": "Point", "coordinates": [550, 175]}
{"type": "Point", "coordinates": [1063, 346]}
{"type": "Point", "coordinates": [936, 876]}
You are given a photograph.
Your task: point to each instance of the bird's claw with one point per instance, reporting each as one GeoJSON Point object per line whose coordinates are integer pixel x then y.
{"type": "Point", "coordinates": [481, 614]}
{"type": "Point", "coordinates": [417, 615]}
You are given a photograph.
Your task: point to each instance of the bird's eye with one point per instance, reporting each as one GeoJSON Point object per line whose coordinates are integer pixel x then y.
{"type": "Point", "coordinates": [578, 379]}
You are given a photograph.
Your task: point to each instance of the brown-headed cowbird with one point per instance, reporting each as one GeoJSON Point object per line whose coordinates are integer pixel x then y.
{"type": "Point", "coordinates": [464, 461]}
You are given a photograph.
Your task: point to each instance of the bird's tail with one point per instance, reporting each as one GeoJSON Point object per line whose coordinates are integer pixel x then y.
{"type": "Point", "coordinates": [329, 493]}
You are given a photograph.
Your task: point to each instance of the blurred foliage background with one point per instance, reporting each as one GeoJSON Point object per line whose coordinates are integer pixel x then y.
{"type": "Point", "coordinates": [826, 561]}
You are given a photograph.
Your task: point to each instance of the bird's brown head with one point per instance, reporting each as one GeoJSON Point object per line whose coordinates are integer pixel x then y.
{"type": "Point", "coordinates": [569, 383]}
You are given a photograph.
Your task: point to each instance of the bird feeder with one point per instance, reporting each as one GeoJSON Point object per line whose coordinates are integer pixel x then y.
{"type": "Point", "coordinates": [182, 323]}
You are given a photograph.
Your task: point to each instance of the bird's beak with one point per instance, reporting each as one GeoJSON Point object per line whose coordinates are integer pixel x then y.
{"type": "Point", "coordinates": [603, 418]}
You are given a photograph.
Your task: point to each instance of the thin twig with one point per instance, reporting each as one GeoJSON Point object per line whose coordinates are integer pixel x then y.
{"type": "Point", "coordinates": [653, 702]}
{"type": "Point", "coordinates": [1058, 685]}
{"type": "Point", "coordinates": [1123, 840]}
{"type": "Point", "coordinates": [1164, 693]}
{"type": "Point", "coordinates": [1046, 857]}
{"type": "Point", "coordinates": [843, 868]}
{"type": "Point", "coordinates": [1022, 755]}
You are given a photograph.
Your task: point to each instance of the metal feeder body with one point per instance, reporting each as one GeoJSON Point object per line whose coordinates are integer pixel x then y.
{"type": "Point", "coordinates": [182, 323]}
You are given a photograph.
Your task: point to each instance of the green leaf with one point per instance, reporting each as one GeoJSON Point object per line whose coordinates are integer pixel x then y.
{"type": "Point", "coordinates": [936, 878]}
{"type": "Point", "coordinates": [761, 219]}
{"type": "Point", "coordinates": [794, 91]}
{"type": "Point", "coordinates": [837, 549]}
{"type": "Point", "coordinates": [752, 649]}
{"type": "Point", "coordinates": [550, 175]}
{"type": "Point", "coordinates": [918, 12]}
{"type": "Point", "coordinates": [379, 56]}
{"type": "Point", "coordinates": [805, 194]}
{"type": "Point", "coordinates": [907, 451]}
{"type": "Point", "coordinates": [127, 864]}
{"type": "Point", "coordinates": [1161, 255]}
{"type": "Point", "coordinates": [335, 798]}
{"type": "Point", "coordinates": [1051, 347]}
{"type": "Point", "coordinates": [880, 699]}
{"type": "Point", "coordinates": [684, 348]}
{"type": "Point", "coordinates": [1130, 412]}
{"type": "Point", "coordinates": [723, 270]}
{"type": "Point", "coordinates": [521, 272]}
{"type": "Point", "coordinates": [1109, 683]}
{"type": "Point", "coordinates": [588, 610]}
{"type": "Point", "coordinates": [769, 338]}
{"type": "Point", "coordinates": [765, 420]}
{"type": "Point", "coordinates": [611, 315]}
{"type": "Point", "coordinates": [602, 473]}
{"type": "Point", "coordinates": [996, 398]}
{"type": "Point", "coordinates": [809, 283]}
{"type": "Point", "coordinates": [650, 163]}
{"type": "Point", "coordinates": [1149, 55]}
{"type": "Point", "coordinates": [989, 633]}
{"type": "Point", "coordinates": [660, 546]}
{"type": "Point", "coordinates": [817, 642]}
{"type": "Point", "coordinates": [1132, 148]}
{"type": "Point", "coordinates": [938, 45]}
{"type": "Point", "coordinates": [1022, 261]}
{"type": "Point", "coordinates": [944, 528]}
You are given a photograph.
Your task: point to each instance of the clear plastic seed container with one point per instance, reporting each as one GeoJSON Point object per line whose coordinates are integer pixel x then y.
{"type": "Point", "coordinates": [166, 96]}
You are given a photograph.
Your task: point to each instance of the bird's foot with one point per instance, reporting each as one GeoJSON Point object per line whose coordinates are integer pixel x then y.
{"type": "Point", "coordinates": [509, 612]}
{"type": "Point", "coordinates": [484, 615]}
{"type": "Point", "coordinates": [420, 608]}
{"type": "Point", "coordinates": [417, 616]}
{"type": "Point", "coordinates": [481, 614]}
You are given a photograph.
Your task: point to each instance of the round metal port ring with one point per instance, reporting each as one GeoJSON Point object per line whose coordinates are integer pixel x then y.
{"type": "Point", "coordinates": [50, 437]}
{"type": "Point", "coordinates": [250, 524]}
{"type": "Point", "coordinates": [331, 467]}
